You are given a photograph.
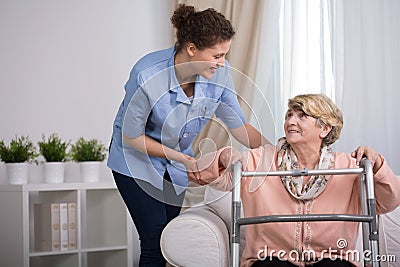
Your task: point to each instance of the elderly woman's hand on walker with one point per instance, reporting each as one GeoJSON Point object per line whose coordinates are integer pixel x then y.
{"type": "Point", "coordinates": [371, 154]}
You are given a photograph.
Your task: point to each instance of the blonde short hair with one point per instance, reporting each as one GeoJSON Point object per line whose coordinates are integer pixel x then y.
{"type": "Point", "coordinates": [322, 108]}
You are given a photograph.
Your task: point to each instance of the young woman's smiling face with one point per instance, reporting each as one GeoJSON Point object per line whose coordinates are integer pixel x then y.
{"type": "Point", "coordinates": [208, 60]}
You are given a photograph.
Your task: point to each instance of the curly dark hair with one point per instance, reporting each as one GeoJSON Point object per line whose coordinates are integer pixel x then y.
{"type": "Point", "coordinates": [203, 28]}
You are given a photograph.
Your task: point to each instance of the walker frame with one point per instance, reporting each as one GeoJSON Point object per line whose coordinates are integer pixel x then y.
{"type": "Point", "coordinates": [367, 218]}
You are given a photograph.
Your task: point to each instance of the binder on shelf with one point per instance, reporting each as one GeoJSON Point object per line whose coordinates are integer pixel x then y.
{"type": "Point", "coordinates": [72, 226]}
{"type": "Point", "coordinates": [63, 226]}
{"type": "Point", "coordinates": [47, 226]}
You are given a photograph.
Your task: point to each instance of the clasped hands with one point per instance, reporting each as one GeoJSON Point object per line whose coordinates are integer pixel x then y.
{"type": "Point", "coordinates": [225, 158]}
{"type": "Point", "coordinates": [192, 169]}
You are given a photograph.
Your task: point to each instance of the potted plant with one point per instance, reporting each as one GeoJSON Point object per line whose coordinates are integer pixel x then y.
{"type": "Point", "coordinates": [17, 156]}
{"type": "Point", "coordinates": [89, 154]}
{"type": "Point", "coordinates": [54, 151]}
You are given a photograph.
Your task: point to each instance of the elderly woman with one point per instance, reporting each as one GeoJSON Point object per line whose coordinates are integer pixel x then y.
{"type": "Point", "coordinates": [312, 124]}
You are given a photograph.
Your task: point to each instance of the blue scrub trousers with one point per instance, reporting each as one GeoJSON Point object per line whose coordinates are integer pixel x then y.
{"type": "Point", "coordinates": [150, 211]}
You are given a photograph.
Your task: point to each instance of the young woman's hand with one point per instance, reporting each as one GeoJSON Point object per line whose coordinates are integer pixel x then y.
{"type": "Point", "coordinates": [192, 169]}
{"type": "Point", "coordinates": [371, 154]}
{"type": "Point", "coordinates": [190, 163]}
{"type": "Point", "coordinates": [229, 156]}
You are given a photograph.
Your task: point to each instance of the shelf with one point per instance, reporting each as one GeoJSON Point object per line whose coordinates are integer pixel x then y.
{"type": "Point", "coordinates": [99, 249]}
{"type": "Point", "coordinates": [110, 248]}
{"type": "Point", "coordinates": [56, 187]}
{"type": "Point", "coordinates": [52, 253]}
{"type": "Point", "coordinates": [102, 225]}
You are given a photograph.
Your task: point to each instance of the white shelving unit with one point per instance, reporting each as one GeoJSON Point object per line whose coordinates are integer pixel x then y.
{"type": "Point", "coordinates": [104, 228]}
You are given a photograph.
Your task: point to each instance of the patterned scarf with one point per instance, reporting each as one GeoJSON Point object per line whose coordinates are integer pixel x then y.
{"type": "Point", "coordinates": [294, 185]}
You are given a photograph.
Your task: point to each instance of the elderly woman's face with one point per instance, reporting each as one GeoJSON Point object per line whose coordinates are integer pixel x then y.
{"type": "Point", "coordinates": [300, 128]}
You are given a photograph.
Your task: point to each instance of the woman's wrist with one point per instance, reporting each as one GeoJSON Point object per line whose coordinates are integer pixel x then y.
{"type": "Point", "coordinates": [225, 157]}
{"type": "Point", "coordinates": [173, 155]}
{"type": "Point", "coordinates": [377, 164]}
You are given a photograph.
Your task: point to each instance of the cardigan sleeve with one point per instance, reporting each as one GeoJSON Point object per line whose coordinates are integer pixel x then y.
{"type": "Point", "coordinates": [387, 189]}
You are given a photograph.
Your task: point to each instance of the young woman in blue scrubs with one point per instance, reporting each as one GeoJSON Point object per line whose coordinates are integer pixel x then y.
{"type": "Point", "coordinates": [169, 97]}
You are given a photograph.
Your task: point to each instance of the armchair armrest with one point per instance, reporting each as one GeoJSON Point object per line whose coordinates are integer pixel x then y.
{"type": "Point", "coordinates": [197, 237]}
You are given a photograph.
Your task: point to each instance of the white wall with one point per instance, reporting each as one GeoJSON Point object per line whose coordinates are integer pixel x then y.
{"type": "Point", "coordinates": [63, 64]}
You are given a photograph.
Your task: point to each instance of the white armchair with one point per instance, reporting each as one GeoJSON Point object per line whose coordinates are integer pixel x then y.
{"type": "Point", "coordinates": [199, 236]}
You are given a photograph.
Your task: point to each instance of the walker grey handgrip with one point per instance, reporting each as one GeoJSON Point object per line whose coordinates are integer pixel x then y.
{"type": "Point", "coordinates": [300, 172]}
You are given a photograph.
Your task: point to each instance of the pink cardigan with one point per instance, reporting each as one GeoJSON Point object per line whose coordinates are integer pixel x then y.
{"type": "Point", "coordinates": [267, 196]}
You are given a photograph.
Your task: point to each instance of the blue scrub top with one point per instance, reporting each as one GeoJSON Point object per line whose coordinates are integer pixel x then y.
{"type": "Point", "coordinates": [155, 105]}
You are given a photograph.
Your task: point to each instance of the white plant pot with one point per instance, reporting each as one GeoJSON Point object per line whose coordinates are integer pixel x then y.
{"type": "Point", "coordinates": [17, 172]}
{"type": "Point", "coordinates": [90, 171]}
{"type": "Point", "coordinates": [54, 172]}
